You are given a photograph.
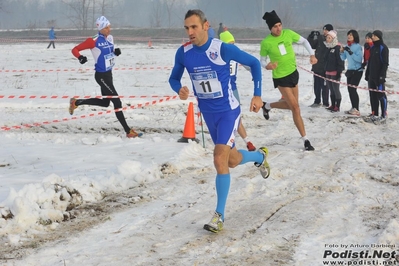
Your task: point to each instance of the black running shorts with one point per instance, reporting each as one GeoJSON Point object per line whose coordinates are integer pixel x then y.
{"type": "Point", "coordinates": [289, 81]}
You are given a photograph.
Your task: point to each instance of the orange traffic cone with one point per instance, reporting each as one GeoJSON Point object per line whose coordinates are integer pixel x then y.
{"type": "Point", "coordinates": [189, 126]}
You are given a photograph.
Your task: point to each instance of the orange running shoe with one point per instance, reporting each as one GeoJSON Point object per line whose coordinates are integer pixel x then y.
{"type": "Point", "coordinates": [72, 105]}
{"type": "Point", "coordinates": [133, 134]}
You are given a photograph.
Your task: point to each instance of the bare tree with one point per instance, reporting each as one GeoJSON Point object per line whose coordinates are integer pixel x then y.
{"type": "Point", "coordinates": [83, 13]}
{"type": "Point", "coordinates": [80, 12]}
{"type": "Point", "coordinates": [2, 6]}
{"type": "Point", "coordinates": [32, 25]}
{"type": "Point", "coordinates": [106, 8]}
{"type": "Point", "coordinates": [156, 14]}
{"type": "Point", "coordinates": [287, 15]}
{"type": "Point", "coordinates": [169, 9]}
{"type": "Point", "coordinates": [51, 23]}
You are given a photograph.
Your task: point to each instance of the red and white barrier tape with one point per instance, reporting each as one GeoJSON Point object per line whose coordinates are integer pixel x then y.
{"type": "Point", "coordinates": [37, 124]}
{"type": "Point", "coordinates": [85, 69]}
{"type": "Point", "coordinates": [80, 69]}
{"type": "Point", "coordinates": [346, 84]}
{"type": "Point", "coordinates": [82, 97]}
{"type": "Point", "coordinates": [79, 39]}
{"type": "Point", "coordinates": [134, 39]}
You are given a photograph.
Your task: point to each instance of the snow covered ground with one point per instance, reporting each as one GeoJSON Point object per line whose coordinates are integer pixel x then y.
{"type": "Point", "coordinates": [75, 191]}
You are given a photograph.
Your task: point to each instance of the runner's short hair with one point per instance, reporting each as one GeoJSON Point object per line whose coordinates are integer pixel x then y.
{"type": "Point", "coordinates": [198, 13]}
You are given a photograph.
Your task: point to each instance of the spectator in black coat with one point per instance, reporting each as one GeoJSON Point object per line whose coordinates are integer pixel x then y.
{"type": "Point", "coordinates": [321, 92]}
{"type": "Point", "coordinates": [376, 73]}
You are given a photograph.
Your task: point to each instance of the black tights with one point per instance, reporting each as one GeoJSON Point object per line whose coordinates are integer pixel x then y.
{"type": "Point", "coordinates": [104, 79]}
{"type": "Point", "coordinates": [378, 98]}
{"type": "Point", "coordinates": [353, 95]}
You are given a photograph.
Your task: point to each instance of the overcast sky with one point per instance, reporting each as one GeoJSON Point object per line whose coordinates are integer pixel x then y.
{"type": "Point", "coordinates": [357, 14]}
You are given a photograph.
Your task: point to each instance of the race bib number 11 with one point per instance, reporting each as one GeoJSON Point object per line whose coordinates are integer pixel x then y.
{"type": "Point", "coordinates": [207, 85]}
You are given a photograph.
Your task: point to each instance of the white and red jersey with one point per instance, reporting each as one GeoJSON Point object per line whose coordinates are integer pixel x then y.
{"type": "Point", "coordinates": [102, 49]}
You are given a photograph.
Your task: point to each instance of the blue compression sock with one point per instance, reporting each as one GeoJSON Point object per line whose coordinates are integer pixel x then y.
{"type": "Point", "coordinates": [251, 156]}
{"type": "Point", "coordinates": [222, 190]}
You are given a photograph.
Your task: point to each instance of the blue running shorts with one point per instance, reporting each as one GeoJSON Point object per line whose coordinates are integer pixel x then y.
{"type": "Point", "coordinates": [223, 126]}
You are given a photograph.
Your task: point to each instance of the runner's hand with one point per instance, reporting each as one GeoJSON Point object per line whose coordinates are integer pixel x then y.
{"type": "Point", "coordinates": [82, 59]}
{"type": "Point", "coordinates": [256, 104]}
{"type": "Point", "coordinates": [183, 93]}
{"type": "Point", "coordinates": [271, 65]}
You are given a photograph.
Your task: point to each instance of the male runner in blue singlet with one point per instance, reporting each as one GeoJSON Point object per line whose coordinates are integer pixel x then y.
{"type": "Point", "coordinates": [207, 62]}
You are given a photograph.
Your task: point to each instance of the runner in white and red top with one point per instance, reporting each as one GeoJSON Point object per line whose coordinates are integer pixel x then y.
{"type": "Point", "coordinates": [102, 48]}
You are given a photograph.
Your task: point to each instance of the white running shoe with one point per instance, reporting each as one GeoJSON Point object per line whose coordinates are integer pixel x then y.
{"type": "Point", "coordinates": [379, 120]}
{"type": "Point", "coordinates": [370, 119]}
{"type": "Point", "coordinates": [264, 167]}
{"type": "Point", "coordinates": [216, 223]}
{"type": "Point", "coordinates": [353, 111]}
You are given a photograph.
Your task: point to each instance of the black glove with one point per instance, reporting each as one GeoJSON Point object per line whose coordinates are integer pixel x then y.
{"type": "Point", "coordinates": [311, 35]}
{"type": "Point", "coordinates": [364, 64]}
{"type": "Point", "coordinates": [82, 59]}
{"type": "Point", "coordinates": [366, 46]}
{"type": "Point", "coordinates": [346, 48]}
{"type": "Point", "coordinates": [117, 51]}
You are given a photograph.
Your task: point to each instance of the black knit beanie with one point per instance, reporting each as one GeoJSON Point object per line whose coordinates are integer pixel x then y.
{"type": "Point", "coordinates": [328, 27]}
{"type": "Point", "coordinates": [378, 33]}
{"type": "Point", "coordinates": [271, 19]}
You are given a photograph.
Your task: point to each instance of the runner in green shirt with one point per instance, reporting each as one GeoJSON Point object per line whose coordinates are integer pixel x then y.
{"type": "Point", "coordinates": [278, 47]}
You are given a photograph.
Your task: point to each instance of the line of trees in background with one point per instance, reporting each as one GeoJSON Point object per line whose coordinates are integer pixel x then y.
{"type": "Point", "coordinates": [81, 14]}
